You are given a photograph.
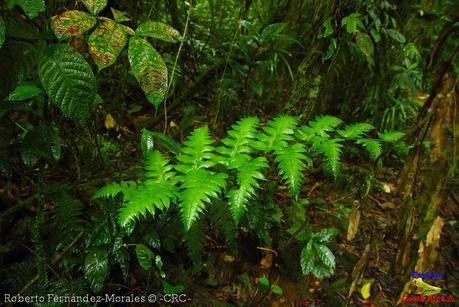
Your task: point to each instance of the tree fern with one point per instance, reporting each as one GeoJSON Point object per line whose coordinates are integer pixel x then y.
{"type": "Point", "coordinates": [198, 183]}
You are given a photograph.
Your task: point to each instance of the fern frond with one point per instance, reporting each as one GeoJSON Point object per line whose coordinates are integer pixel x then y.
{"type": "Point", "coordinates": [157, 168]}
{"type": "Point", "coordinates": [197, 152]}
{"type": "Point", "coordinates": [146, 199]}
{"type": "Point", "coordinates": [113, 189]}
{"type": "Point", "coordinates": [278, 131]}
{"type": "Point", "coordinates": [249, 171]}
{"type": "Point", "coordinates": [356, 130]}
{"type": "Point", "coordinates": [198, 187]}
{"type": "Point", "coordinates": [372, 146]}
{"type": "Point", "coordinates": [319, 126]}
{"type": "Point", "coordinates": [331, 149]}
{"type": "Point", "coordinates": [194, 241]}
{"type": "Point", "coordinates": [391, 136]}
{"type": "Point", "coordinates": [291, 160]}
{"type": "Point", "coordinates": [239, 138]}
{"type": "Point", "coordinates": [68, 217]}
{"type": "Point", "coordinates": [221, 220]}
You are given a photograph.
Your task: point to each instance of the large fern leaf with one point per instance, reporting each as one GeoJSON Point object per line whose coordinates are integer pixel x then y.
{"type": "Point", "coordinates": [249, 172]}
{"type": "Point", "coordinates": [197, 152]}
{"type": "Point", "coordinates": [198, 187]}
{"type": "Point", "coordinates": [372, 146]}
{"type": "Point", "coordinates": [331, 149]}
{"type": "Point", "coordinates": [391, 136]}
{"type": "Point", "coordinates": [157, 168]}
{"type": "Point", "coordinates": [291, 160]}
{"type": "Point", "coordinates": [239, 138]}
{"type": "Point", "coordinates": [319, 126]}
{"type": "Point", "coordinates": [355, 131]}
{"type": "Point", "coordinates": [113, 189]}
{"type": "Point", "coordinates": [278, 131]}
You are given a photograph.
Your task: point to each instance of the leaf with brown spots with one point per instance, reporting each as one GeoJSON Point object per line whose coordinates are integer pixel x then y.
{"type": "Point", "coordinates": [149, 69]}
{"type": "Point", "coordinates": [106, 43]}
{"type": "Point", "coordinates": [159, 30]}
{"type": "Point", "coordinates": [95, 6]}
{"type": "Point", "coordinates": [72, 23]}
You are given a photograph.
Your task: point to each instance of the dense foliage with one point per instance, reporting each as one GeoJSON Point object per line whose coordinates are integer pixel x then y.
{"type": "Point", "coordinates": [238, 152]}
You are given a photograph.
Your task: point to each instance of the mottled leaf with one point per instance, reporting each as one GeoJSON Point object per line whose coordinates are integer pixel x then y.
{"type": "Point", "coordinates": [30, 7]}
{"type": "Point", "coordinates": [72, 23]}
{"type": "Point", "coordinates": [95, 6]}
{"type": "Point", "coordinates": [96, 268]}
{"type": "Point", "coordinates": [2, 31]}
{"type": "Point", "coordinates": [149, 69]}
{"type": "Point", "coordinates": [365, 45]}
{"type": "Point", "coordinates": [68, 80]}
{"type": "Point", "coordinates": [158, 30]}
{"type": "Point", "coordinates": [119, 16]}
{"type": "Point", "coordinates": [326, 255]}
{"type": "Point", "coordinates": [144, 256]}
{"type": "Point", "coordinates": [106, 43]}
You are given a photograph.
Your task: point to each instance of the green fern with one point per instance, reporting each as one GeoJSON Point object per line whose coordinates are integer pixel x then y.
{"type": "Point", "coordinates": [320, 126]}
{"type": "Point", "coordinates": [292, 160]}
{"type": "Point", "coordinates": [277, 133]}
{"type": "Point", "coordinates": [331, 150]}
{"type": "Point", "coordinates": [372, 146]}
{"type": "Point", "coordinates": [356, 131]}
{"type": "Point", "coordinates": [198, 183]}
{"type": "Point", "coordinates": [391, 136]}
{"type": "Point", "coordinates": [194, 242]}
{"type": "Point", "coordinates": [111, 190]}
{"type": "Point", "coordinates": [221, 220]}
{"type": "Point", "coordinates": [249, 172]}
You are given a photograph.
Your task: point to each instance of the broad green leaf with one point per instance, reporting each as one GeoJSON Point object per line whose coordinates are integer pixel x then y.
{"type": "Point", "coordinates": [396, 35]}
{"type": "Point", "coordinates": [307, 258]}
{"type": "Point", "coordinates": [119, 16]}
{"type": "Point", "coordinates": [72, 23]}
{"type": "Point", "coordinates": [351, 22]}
{"type": "Point", "coordinates": [326, 234]}
{"type": "Point", "coordinates": [144, 256]}
{"type": "Point", "coordinates": [149, 69]}
{"type": "Point", "coordinates": [147, 142]}
{"type": "Point", "coordinates": [328, 28]}
{"type": "Point", "coordinates": [95, 6]}
{"type": "Point", "coordinates": [106, 43]}
{"type": "Point", "coordinates": [158, 30]}
{"type": "Point", "coordinates": [41, 142]}
{"type": "Point", "coordinates": [263, 282]}
{"type": "Point", "coordinates": [96, 268]}
{"type": "Point", "coordinates": [24, 91]}
{"type": "Point", "coordinates": [326, 255]}
{"type": "Point", "coordinates": [2, 31]}
{"type": "Point", "coordinates": [68, 80]}
{"type": "Point", "coordinates": [30, 7]}
{"type": "Point", "coordinates": [365, 45]}
{"type": "Point", "coordinates": [277, 290]}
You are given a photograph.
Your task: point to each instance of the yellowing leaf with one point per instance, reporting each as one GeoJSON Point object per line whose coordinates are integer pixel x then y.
{"type": "Point", "coordinates": [366, 288]}
{"type": "Point", "coordinates": [72, 23]}
{"type": "Point", "coordinates": [149, 69]}
{"type": "Point", "coordinates": [158, 30]}
{"type": "Point", "coordinates": [354, 221]}
{"type": "Point", "coordinates": [109, 122]}
{"type": "Point", "coordinates": [106, 43]}
{"type": "Point", "coordinates": [95, 6]}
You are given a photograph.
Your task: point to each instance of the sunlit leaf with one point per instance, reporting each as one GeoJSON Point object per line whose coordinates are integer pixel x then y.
{"type": "Point", "coordinates": [351, 22]}
{"type": "Point", "coordinates": [24, 91]}
{"type": "Point", "coordinates": [158, 30]}
{"type": "Point", "coordinates": [149, 69]}
{"type": "Point", "coordinates": [366, 288]}
{"type": "Point", "coordinates": [95, 6]}
{"type": "Point", "coordinates": [72, 23]}
{"type": "Point", "coordinates": [106, 43]}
